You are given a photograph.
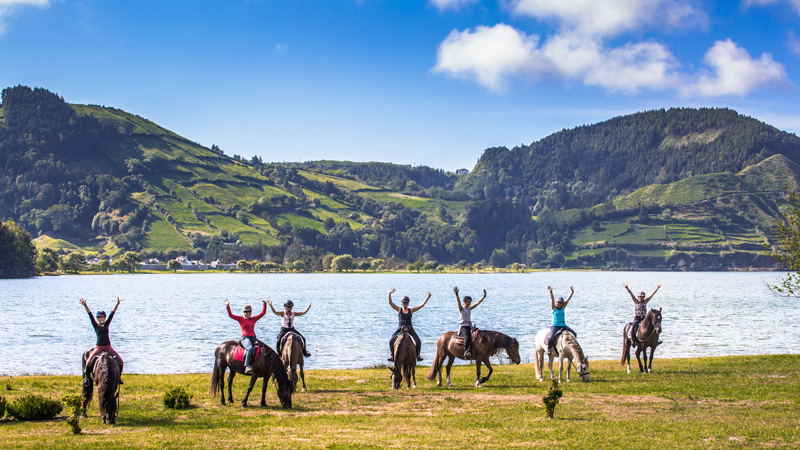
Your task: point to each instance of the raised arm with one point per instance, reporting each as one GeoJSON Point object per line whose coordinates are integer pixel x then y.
{"type": "Point", "coordinates": [391, 303]}
{"type": "Point", "coordinates": [263, 310]}
{"type": "Point", "coordinates": [277, 313]}
{"type": "Point", "coordinates": [458, 299]}
{"type": "Point", "coordinates": [117, 305]}
{"type": "Point", "coordinates": [85, 306]}
{"type": "Point", "coordinates": [654, 293]}
{"type": "Point", "coordinates": [571, 292]}
{"type": "Point", "coordinates": [417, 308]}
{"type": "Point", "coordinates": [552, 299]}
{"type": "Point", "coordinates": [230, 314]}
{"type": "Point", "coordinates": [633, 297]}
{"type": "Point", "coordinates": [305, 311]}
{"type": "Point", "coordinates": [479, 301]}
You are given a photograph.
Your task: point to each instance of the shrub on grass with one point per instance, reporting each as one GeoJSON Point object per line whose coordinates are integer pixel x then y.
{"type": "Point", "coordinates": [2, 406]}
{"type": "Point", "coordinates": [177, 398]}
{"type": "Point", "coordinates": [34, 407]}
{"type": "Point", "coordinates": [551, 399]}
{"type": "Point", "coordinates": [75, 403]}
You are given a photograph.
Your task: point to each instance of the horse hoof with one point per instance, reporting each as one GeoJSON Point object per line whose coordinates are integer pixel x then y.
{"type": "Point", "coordinates": [541, 380]}
{"type": "Point", "coordinates": [263, 405]}
{"type": "Point", "coordinates": [439, 384]}
{"type": "Point", "coordinates": [415, 386]}
{"type": "Point", "coordinates": [478, 384]}
{"type": "Point", "coordinates": [244, 405]}
{"type": "Point", "coordinates": [304, 390]}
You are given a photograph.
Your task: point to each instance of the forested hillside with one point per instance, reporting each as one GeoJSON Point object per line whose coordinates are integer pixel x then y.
{"type": "Point", "coordinates": [694, 189]}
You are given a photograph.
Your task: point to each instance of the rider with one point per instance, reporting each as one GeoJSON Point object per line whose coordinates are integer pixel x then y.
{"type": "Point", "coordinates": [247, 324]}
{"type": "Point", "coordinates": [103, 343]}
{"type": "Point", "coordinates": [466, 320]}
{"type": "Point", "coordinates": [287, 324]}
{"type": "Point", "coordinates": [557, 307]}
{"type": "Point", "coordinates": [404, 314]}
{"type": "Point", "coordinates": [639, 312]}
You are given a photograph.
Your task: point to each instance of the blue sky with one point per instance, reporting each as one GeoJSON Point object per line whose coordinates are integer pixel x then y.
{"type": "Point", "coordinates": [431, 82]}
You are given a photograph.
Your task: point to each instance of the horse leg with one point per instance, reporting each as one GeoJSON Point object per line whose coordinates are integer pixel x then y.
{"type": "Point", "coordinates": [550, 364]}
{"type": "Point", "coordinates": [450, 360]}
{"type": "Point", "coordinates": [230, 385]}
{"type": "Point", "coordinates": [650, 366]}
{"type": "Point", "coordinates": [638, 352]}
{"type": "Point", "coordinates": [560, 364]}
{"type": "Point", "coordinates": [302, 375]}
{"type": "Point", "coordinates": [488, 366]}
{"type": "Point", "coordinates": [253, 379]}
{"type": "Point", "coordinates": [478, 372]}
{"type": "Point", "coordinates": [569, 367]}
{"type": "Point", "coordinates": [264, 391]}
{"type": "Point", "coordinates": [628, 354]}
{"type": "Point", "coordinates": [539, 364]}
{"type": "Point", "coordinates": [414, 375]}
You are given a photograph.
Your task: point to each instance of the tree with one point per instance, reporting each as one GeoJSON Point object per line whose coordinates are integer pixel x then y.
{"type": "Point", "coordinates": [72, 263]}
{"type": "Point", "coordinates": [327, 261]}
{"type": "Point", "coordinates": [47, 261]}
{"type": "Point", "coordinates": [17, 252]}
{"type": "Point", "coordinates": [130, 260]}
{"type": "Point", "coordinates": [298, 266]}
{"type": "Point", "coordinates": [174, 265]}
{"type": "Point", "coordinates": [786, 251]}
{"type": "Point", "coordinates": [343, 263]}
{"type": "Point", "coordinates": [243, 265]}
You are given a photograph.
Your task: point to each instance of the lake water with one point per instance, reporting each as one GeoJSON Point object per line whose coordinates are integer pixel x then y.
{"type": "Point", "coordinates": [172, 323]}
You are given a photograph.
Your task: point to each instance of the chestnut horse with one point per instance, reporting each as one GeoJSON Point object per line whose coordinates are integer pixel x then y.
{"type": "Point", "coordinates": [486, 344]}
{"type": "Point", "coordinates": [292, 357]}
{"type": "Point", "coordinates": [648, 333]}
{"type": "Point", "coordinates": [405, 362]}
{"type": "Point", "coordinates": [106, 375]}
{"type": "Point", "coordinates": [266, 364]}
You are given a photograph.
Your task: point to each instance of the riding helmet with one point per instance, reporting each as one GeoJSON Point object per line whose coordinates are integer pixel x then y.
{"type": "Point", "coordinates": [641, 294]}
{"type": "Point", "coordinates": [406, 300]}
{"type": "Point", "coordinates": [100, 314]}
{"type": "Point", "coordinates": [247, 308]}
{"type": "Point", "coordinates": [288, 304]}
{"type": "Point", "coordinates": [560, 301]}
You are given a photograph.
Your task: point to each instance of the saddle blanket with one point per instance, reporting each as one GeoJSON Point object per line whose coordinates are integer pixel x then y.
{"type": "Point", "coordinates": [460, 339]}
{"type": "Point", "coordinates": [286, 336]}
{"type": "Point", "coordinates": [239, 353]}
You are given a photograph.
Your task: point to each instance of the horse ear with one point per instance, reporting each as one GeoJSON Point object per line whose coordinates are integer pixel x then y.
{"type": "Point", "coordinates": [659, 309]}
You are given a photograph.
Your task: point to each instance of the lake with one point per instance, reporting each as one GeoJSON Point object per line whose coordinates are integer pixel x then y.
{"type": "Point", "coordinates": [171, 323]}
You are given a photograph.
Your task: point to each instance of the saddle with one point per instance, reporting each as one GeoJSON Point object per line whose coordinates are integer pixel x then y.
{"type": "Point", "coordinates": [93, 362]}
{"type": "Point", "coordinates": [291, 333]}
{"type": "Point", "coordinates": [240, 351]}
{"type": "Point", "coordinates": [632, 333]}
{"type": "Point", "coordinates": [459, 340]}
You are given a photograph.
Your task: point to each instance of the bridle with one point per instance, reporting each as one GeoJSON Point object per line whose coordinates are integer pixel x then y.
{"type": "Point", "coordinates": [655, 327]}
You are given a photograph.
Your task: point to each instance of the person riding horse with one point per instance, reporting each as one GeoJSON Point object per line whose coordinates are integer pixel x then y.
{"type": "Point", "coordinates": [640, 311]}
{"type": "Point", "coordinates": [287, 324]}
{"type": "Point", "coordinates": [247, 324]}
{"type": "Point", "coordinates": [404, 316]}
{"type": "Point", "coordinates": [103, 343]}
{"type": "Point", "coordinates": [466, 320]}
{"type": "Point", "coordinates": [557, 307]}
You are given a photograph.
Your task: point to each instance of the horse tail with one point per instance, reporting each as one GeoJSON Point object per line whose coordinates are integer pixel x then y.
{"type": "Point", "coordinates": [436, 366]}
{"type": "Point", "coordinates": [216, 374]}
{"type": "Point", "coordinates": [625, 347]}
{"type": "Point", "coordinates": [107, 381]}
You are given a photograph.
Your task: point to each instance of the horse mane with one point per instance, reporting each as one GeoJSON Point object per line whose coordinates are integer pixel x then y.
{"type": "Point", "coordinates": [497, 340]}
{"type": "Point", "coordinates": [572, 342]}
{"type": "Point", "coordinates": [277, 369]}
{"type": "Point", "coordinates": [106, 385]}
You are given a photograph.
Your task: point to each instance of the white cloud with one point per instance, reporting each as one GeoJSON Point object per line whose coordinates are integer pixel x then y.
{"type": "Point", "coordinates": [795, 3]}
{"type": "Point", "coordinates": [793, 43]}
{"type": "Point", "coordinates": [734, 72]}
{"type": "Point", "coordinates": [441, 5]}
{"type": "Point", "coordinates": [601, 18]}
{"type": "Point", "coordinates": [488, 54]}
{"type": "Point", "coordinates": [281, 48]}
{"type": "Point", "coordinates": [8, 7]}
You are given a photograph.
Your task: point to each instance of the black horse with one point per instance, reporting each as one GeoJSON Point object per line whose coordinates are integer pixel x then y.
{"type": "Point", "coordinates": [647, 335]}
{"type": "Point", "coordinates": [266, 364]}
{"type": "Point", "coordinates": [106, 375]}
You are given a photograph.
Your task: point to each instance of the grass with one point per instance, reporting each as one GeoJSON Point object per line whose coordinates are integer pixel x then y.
{"type": "Point", "coordinates": [77, 246]}
{"type": "Point", "coordinates": [162, 236]}
{"type": "Point", "coordinates": [726, 402]}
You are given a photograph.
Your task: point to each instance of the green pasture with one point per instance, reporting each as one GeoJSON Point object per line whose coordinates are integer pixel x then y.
{"type": "Point", "coordinates": [160, 235]}
{"type": "Point", "coordinates": [77, 246]}
{"type": "Point", "coordinates": [341, 183]}
{"type": "Point", "coordinates": [699, 403]}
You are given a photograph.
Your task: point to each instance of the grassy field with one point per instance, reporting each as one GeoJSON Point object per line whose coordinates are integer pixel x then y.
{"type": "Point", "coordinates": [726, 402]}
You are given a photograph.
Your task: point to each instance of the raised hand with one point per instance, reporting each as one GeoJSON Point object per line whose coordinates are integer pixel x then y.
{"type": "Point", "coordinates": [484, 292]}
{"type": "Point", "coordinates": [227, 303]}
{"type": "Point", "coordinates": [571, 290]}
{"type": "Point", "coordinates": [429, 293]}
{"type": "Point", "coordinates": [118, 300]}
{"type": "Point", "coordinates": [269, 302]}
{"type": "Point", "coordinates": [658, 286]}
{"type": "Point", "coordinates": [455, 289]}
{"type": "Point", "coordinates": [392, 290]}
{"type": "Point", "coordinates": [82, 302]}
{"type": "Point", "coordinates": [550, 288]}
{"type": "Point", "coordinates": [263, 301]}
{"type": "Point", "coordinates": [625, 284]}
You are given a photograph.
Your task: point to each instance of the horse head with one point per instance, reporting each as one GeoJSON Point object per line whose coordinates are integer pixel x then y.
{"type": "Point", "coordinates": [656, 320]}
{"type": "Point", "coordinates": [285, 395]}
{"type": "Point", "coordinates": [513, 351]}
{"type": "Point", "coordinates": [583, 369]}
{"type": "Point", "coordinates": [396, 376]}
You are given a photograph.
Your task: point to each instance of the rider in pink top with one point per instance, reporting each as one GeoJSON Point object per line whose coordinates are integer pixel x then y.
{"type": "Point", "coordinates": [247, 323]}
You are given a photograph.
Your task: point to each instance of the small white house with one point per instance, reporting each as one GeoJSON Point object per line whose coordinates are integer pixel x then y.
{"type": "Point", "coordinates": [462, 172]}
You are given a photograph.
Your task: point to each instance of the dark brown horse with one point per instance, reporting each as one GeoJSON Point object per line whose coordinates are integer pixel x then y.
{"type": "Point", "coordinates": [265, 365]}
{"type": "Point", "coordinates": [649, 330]}
{"type": "Point", "coordinates": [292, 357]}
{"type": "Point", "coordinates": [486, 344]}
{"type": "Point", "coordinates": [405, 362]}
{"type": "Point", "coordinates": [106, 375]}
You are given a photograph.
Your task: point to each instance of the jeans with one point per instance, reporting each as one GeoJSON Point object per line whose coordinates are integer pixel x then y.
{"type": "Point", "coordinates": [466, 332]}
{"type": "Point", "coordinates": [553, 330]}
{"type": "Point", "coordinates": [411, 332]}
{"type": "Point", "coordinates": [248, 342]}
{"type": "Point", "coordinates": [635, 328]}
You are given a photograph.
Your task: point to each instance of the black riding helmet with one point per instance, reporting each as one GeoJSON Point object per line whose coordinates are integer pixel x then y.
{"type": "Point", "coordinates": [288, 304]}
{"type": "Point", "coordinates": [406, 300]}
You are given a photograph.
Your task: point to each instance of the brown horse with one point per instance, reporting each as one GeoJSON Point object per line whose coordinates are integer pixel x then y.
{"type": "Point", "coordinates": [405, 362]}
{"type": "Point", "coordinates": [265, 365]}
{"type": "Point", "coordinates": [292, 357]}
{"type": "Point", "coordinates": [486, 344]}
{"type": "Point", "coordinates": [649, 330]}
{"type": "Point", "coordinates": [106, 375]}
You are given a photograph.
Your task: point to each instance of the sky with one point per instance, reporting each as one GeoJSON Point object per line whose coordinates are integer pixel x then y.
{"type": "Point", "coordinates": [428, 82]}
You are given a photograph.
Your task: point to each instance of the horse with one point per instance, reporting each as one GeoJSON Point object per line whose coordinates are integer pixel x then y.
{"type": "Point", "coordinates": [106, 375]}
{"type": "Point", "coordinates": [266, 364]}
{"type": "Point", "coordinates": [292, 356]}
{"type": "Point", "coordinates": [567, 346]}
{"type": "Point", "coordinates": [486, 344]}
{"type": "Point", "coordinates": [649, 330]}
{"type": "Point", "coordinates": [405, 362]}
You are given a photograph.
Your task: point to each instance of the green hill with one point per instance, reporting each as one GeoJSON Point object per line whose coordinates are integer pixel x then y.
{"type": "Point", "coordinates": [662, 189]}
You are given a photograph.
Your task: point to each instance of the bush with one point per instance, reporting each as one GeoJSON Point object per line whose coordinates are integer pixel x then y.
{"type": "Point", "coordinates": [34, 407]}
{"type": "Point", "coordinates": [2, 406]}
{"type": "Point", "coordinates": [551, 399]}
{"type": "Point", "coordinates": [75, 403]}
{"type": "Point", "coordinates": [176, 399]}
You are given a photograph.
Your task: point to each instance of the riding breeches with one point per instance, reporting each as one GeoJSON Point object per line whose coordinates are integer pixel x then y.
{"type": "Point", "coordinates": [411, 332]}
{"type": "Point", "coordinates": [553, 330]}
{"type": "Point", "coordinates": [284, 332]}
{"type": "Point", "coordinates": [635, 328]}
{"type": "Point", "coordinates": [466, 333]}
{"type": "Point", "coordinates": [249, 344]}
{"type": "Point", "coordinates": [104, 348]}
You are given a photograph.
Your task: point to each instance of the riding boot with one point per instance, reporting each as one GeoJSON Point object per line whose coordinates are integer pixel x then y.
{"type": "Point", "coordinates": [306, 353]}
{"type": "Point", "coordinates": [87, 379]}
{"type": "Point", "coordinates": [419, 358]}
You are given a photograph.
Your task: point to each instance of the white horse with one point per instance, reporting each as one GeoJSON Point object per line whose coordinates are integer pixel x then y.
{"type": "Point", "coordinates": [567, 347]}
